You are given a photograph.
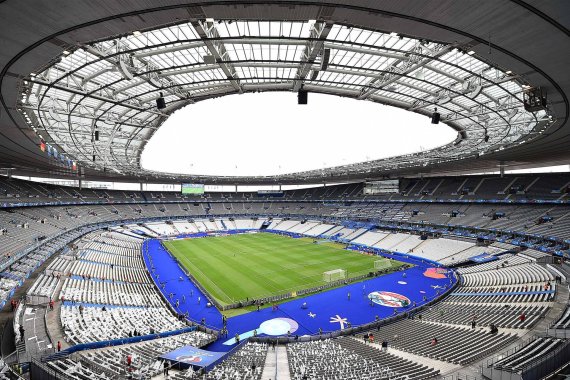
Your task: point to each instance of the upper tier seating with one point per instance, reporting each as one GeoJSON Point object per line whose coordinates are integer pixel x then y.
{"type": "Point", "coordinates": [564, 321]}
{"type": "Point", "coordinates": [526, 355]}
{"type": "Point", "coordinates": [518, 274]}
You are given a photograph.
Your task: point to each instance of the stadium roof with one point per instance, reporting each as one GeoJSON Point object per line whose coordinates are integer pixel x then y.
{"type": "Point", "coordinates": [76, 69]}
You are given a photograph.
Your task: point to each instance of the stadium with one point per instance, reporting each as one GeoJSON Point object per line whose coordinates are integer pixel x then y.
{"type": "Point", "coordinates": [229, 189]}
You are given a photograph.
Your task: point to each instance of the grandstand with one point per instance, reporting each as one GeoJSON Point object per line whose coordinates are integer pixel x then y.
{"type": "Point", "coordinates": [448, 262]}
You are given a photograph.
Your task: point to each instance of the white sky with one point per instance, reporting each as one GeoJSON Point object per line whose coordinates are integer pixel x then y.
{"type": "Point", "coordinates": [269, 133]}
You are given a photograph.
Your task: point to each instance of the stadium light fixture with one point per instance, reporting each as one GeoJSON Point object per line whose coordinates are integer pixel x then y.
{"type": "Point", "coordinates": [394, 34]}
{"type": "Point", "coordinates": [509, 72]}
{"type": "Point", "coordinates": [136, 33]}
{"type": "Point", "coordinates": [470, 52]}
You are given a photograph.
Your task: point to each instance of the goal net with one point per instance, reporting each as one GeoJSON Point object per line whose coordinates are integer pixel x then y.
{"type": "Point", "coordinates": [333, 275]}
{"type": "Point", "coordinates": [382, 264]}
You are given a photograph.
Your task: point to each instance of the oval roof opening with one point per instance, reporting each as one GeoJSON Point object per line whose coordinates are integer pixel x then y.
{"type": "Point", "coordinates": [262, 134]}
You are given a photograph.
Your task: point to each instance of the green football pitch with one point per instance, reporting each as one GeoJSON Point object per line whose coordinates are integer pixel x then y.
{"type": "Point", "coordinates": [236, 267]}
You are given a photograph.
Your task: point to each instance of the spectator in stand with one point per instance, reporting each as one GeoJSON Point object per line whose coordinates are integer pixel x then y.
{"type": "Point", "coordinates": [522, 317]}
{"type": "Point", "coordinates": [58, 346]}
{"type": "Point", "coordinates": [434, 341]}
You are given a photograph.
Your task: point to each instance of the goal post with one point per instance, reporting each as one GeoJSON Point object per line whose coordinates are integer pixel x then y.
{"type": "Point", "coordinates": [382, 264]}
{"type": "Point", "coordinates": [334, 275]}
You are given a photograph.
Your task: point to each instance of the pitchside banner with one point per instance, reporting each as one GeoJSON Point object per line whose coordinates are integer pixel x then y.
{"type": "Point", "coordinates": [193, 356]}
{"type": "Point", "coordinates": [483, 258]}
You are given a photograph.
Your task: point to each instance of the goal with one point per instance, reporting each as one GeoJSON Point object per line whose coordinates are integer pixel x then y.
{"type": "Point", "coordinates": [334, 275]}
{"type": "Point", "coordinates": [382, 264]}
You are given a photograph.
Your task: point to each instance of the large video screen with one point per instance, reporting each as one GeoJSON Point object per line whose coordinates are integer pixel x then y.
{"type": "Point", "coordinates": [389, 186]}
{"type": "Point", "coordinates": [193, 188]}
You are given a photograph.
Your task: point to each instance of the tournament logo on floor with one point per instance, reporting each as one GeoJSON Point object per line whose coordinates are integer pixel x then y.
{"type": "Point", "coordinates": [190, 359]}
{"type": "Point", "coordinates": [437, 273]}
{"type": "Point", "coordinates": [389, 299]}
{"type": "Point", "coordinates": [193, 355]}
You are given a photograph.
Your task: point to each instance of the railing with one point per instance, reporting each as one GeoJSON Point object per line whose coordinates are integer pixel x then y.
{"type": "Point", "coordinates": [459, 376]}
{"type": "Point", "coordinates": [502, 355]}
{"type": "Point", "coordinates": [116, 342]}
{"type": "Point", "coordinates": [302, 292]}
{"type": "Point", "coordinates": [547, 364]}
{"type": "Point", "coordinates": [39, 370]}
{"type": "Point", "coordinates": [558, 333]}
{"type": "Point", "coordinates": [107, 201]}
{"type": "Point", "coordinates": [537, 368]}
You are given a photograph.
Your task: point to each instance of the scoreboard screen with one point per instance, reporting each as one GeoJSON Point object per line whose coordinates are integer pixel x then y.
{"type": "Point", "coordinates": [193, 188]}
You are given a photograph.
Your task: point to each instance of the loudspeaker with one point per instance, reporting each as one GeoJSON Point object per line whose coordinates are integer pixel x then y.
{"type": "Point", "coordinates": [209, 59]}
{"type": "Point", "coordinates": [435, 118]}
{"type": "Point", "coordinates": [160, 103]}
{"type": "Point", "coordinates": [302, 97]}
{"type": "Point", "coordinates": [96, 135]}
